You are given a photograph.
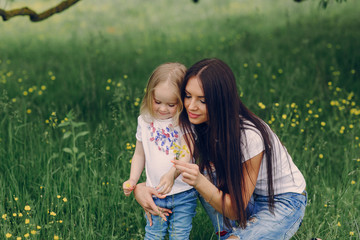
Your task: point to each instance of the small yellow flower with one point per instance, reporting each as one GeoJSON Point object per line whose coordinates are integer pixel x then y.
{"type": "Point", "coordinates": [43, 87]}
{"type": "Point", "coordinates": [13, 100]}
{"type": "Point", "coordinates": [53, 78]}
{"type": "Point", "coordinates": [64, 199]}
{"type": "Point", "coordinates": [273, 77]}
{"type": "Point", "coordinates": [14, 214]}
{"type": "Point", "coordinates": [256, 76]}
{"type": "Point", "coordinates": [323, 124]}
{"type": "Point", "coordinates": [351, 233]}
{"type": "Point", "coordinates": [258, 64]}
{"type": "Point", "coordinates": [351, 126]}
{"type": "Point", "coordinates": [109, 80]}
{"type": "Point", "coordinates": [56, 237]}
{"type": "Point", "coordinates": [25, 93]}
{"type": "Point", "coordinates": [18, 238]}
{"type": "Point", "coordinates": [246, 65]}
{"type": "Point", "coordinates": [321, 156]}
{"type": "Point", "coordinates": [28, 111]}
{"type": "Point", "coordinates": [125, 76]}
{"type": "Point", "coordinates": [284, 116]}
{"type": "Point", "coordinates": [107, 88]}
{"type": "Point", "coordinates": [280, 71]}
{"type": "Point", "coordinates": [353, 182]}
{"type": "Point", "coordinates": [26, 235]}
{"type": "Point", "coordinates": [31, 90]}
{"type": "Point", "coordinates": [4, 216]}
{"type": "Point", "coordinates": [16, 198]}
{"type": "Point", "coordinates": [339, 224]}
{"type": "Point", "coordinates": [27, 221]}
{"type": "Point", "coordinates": [261, 105]}
{"type": "Point", "coordinates": [33, 232]}
{"type": "Point", "coordinates": [27, 208]}
{"type": "Point", "coordinates": [38, 227]}
{"type": "Point", "coordinates": [58, 196]}
{"type": "Point", "coordinates": [20, 214]}
{"type": "Point", "coordinates": [40, 92]}
{"type": "Point", "coordinates": [53, 214]}
{"type": "Point", "coordinates": [60, 221]}
{"type": "Point", "coordinates": [136, 103]}
{"type": "Point", "coordinates": [8, 235]}
{"type": "Point", "coordinates": [325, 205]}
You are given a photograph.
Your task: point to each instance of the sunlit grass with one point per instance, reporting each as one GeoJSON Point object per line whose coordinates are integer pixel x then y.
{"type": "Point", "coordinates": [70, 89]}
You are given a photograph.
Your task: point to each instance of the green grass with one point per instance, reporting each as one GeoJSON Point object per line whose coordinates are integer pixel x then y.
{"type": "Point", "coordinates": [297, 67]}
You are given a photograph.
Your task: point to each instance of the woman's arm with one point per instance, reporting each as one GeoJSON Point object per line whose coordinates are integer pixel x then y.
{"type": "Point", "coordinates": [143, 196]}
{"type": "Point", "coordinates": [211, 193]}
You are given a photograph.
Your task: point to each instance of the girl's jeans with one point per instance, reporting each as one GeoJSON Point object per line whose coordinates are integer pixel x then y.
{"type": "Point", "coordinates": [179, 223]}
{"type": "Point", "coordinates": [283, 224]}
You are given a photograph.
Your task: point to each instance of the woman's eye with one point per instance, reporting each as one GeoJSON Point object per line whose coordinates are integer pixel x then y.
{"type": "Point", "coordinates": [187, 96]}
{"type": "Point", "coordinates": [203, 101]}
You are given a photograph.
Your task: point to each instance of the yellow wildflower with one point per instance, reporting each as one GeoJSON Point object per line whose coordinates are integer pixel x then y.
{"type": "Point", "coordinates": [8, 235]}
{"type": "Point", "coordinates": [27, 221]}
{"type": "Point", "coordinates": [27, 208]}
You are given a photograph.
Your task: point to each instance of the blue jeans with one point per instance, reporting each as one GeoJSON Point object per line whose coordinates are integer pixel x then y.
{"type": "Point", "coordinates": [179, 223]}
{"type": "Point", "coordinates": [289, 212]}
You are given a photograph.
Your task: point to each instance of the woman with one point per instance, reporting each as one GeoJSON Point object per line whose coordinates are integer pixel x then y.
{"type": "Point", "coordinates": [243, 172]}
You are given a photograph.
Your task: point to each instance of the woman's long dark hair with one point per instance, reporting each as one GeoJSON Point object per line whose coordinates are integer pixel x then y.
{"type": "Point", "coordinates": [217, 142]}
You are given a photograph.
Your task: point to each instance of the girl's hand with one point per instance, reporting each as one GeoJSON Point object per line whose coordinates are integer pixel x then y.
{"type": "Point", "coordinates": [166, 183]}
{"type": "Point", "coordinates": [190, 172]}
{"type": "Point", "coordinates": [128, 187]}
{"type": "Point", "coordinates": [143, 196]}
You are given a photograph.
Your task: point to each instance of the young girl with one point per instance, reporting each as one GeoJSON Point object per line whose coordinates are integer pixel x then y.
{"type": "Point", "coordinates": [244, 172]}
{"type": "Point", "coordinates": [159, 141]}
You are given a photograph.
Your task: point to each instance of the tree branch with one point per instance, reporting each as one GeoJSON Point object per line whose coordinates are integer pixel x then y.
{"type": "Point", "coordinates": [35, 17]}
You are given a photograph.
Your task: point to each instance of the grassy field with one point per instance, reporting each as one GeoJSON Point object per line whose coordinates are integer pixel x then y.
{"type": "Point", "coordinates": [70, 89]}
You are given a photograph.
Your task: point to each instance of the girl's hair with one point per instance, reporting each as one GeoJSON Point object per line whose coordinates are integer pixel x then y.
{"type": "Point", "coordinates": [218, 141]}
{"type": "Point", "coordinates": [173, 73]}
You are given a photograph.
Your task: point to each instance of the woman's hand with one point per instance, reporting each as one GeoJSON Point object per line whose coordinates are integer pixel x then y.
{"type": "Point", "coordinates": [143, 196]}
{"type": "Point", "coordinates": [190, 172]}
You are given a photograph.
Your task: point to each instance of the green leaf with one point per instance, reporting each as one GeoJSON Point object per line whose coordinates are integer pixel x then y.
{"type": "Point", "coordinates": [64, 124]}
{"type": "Point", "coordinates": [75, 149]}
{"type": "Point", "coordinates": [82, 134]}
{"type": "Point", "coordinates": [68, 150]}
{"type": "Point", "coordinates": [82, 154]}
{"type": "Point", "coordinates": [78, 124]}
{"type": "Point", "coordinates": [66, 135]}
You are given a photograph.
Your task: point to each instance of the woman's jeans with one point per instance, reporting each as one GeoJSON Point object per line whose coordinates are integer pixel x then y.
{"type": "Point", "coordinates": [179, 223]}
{"type": "Point", "coordinates": [283, 224]}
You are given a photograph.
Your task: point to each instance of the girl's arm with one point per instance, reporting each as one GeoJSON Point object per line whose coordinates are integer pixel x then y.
{"type": "Point", "coordinates": [137, 166]}
{"type": "Point", "coordinates": [182, 153]}
{"type": "Point", "coordinates": [211, 193]}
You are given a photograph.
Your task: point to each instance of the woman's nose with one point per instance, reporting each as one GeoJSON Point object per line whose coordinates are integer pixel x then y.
{"type": "Point", "coordinates": [192, 105]}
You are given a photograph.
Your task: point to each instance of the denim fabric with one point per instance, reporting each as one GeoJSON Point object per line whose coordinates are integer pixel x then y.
{"type": "Point", "coordinates": [179, 223]}
{"type": "Point", "coordinates": [289, 212]}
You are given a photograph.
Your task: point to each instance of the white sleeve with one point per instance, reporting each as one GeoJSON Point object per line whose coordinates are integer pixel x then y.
{"type": "Point", "coordinates": [252, 143]}
{"type": "Point", "coordinates": [138, 130]}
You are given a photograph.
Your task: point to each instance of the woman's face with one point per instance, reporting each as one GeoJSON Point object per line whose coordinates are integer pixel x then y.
{"type": "Point", "coordinates": [194, 101]}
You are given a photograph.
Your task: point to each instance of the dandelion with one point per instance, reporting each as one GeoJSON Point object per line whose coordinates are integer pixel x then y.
{"type": "Point", "coordinates": [258, 64]}
{"type": "Point", "coordinates": [325, 205]}
{"type": "Point", "coordinates": [321, 156]}
{"type": "Point", "coordinates": [13, 100]}
{"type": "Point", "coordinates": [18, 238]}
{"type": "Point", "coordinates": [64, 199]}
{"type": "Point", "coordinates": [351, 233]}
{"type": "Point", "coordinates": [20, 214]}
{"type": "Point", "coordinates": [351, 126]}
{"type": "Point", "coordinates": [25, 93]}
{"type": "Point", "coordinates": [280, 71]}
{"type": "Point", "coordinates": [339, 224]}
{"type": "Point", "coordinates": [109, 80]}
{"type": "Point", "coordinates": [107, 88]}
{"type": "Point", "coordinates": [33, 232]}
{"type": "Point", "coordinates": [284, 116]}
{"type": "Point", "coordinates": [323, 124]}
{"type": "Point", "coordinates": [53, 214]}
{"type": "Point", "coordinates": [125, 76]}
{"type": "Point", "coordinates": [273, 77]}
{"type": "Point", "coordinates": [4, 216]}
{"type": "Point", "coordinates": [27, 221]}
{"type": "Point", "coordinates": [353, 71]}
{"type": "Point", "coordinates": [353, 182]}
{"type": "Point", "coordinates": [53, 78]}
{"type": "Point", "coordinates": [56, 237]}
{"type": "Point", "coordinates": [246, 65]}
{"type": "Point", "coordinates": [38, 227]}
{"type": "Point", "coordinates": [8, 235]}
{"type": "Point", "coordinates": [256, 76]}
{"type": "Point", "coordinates": [27, 208]}
{"type": "Point", "coordinates": [26, 235]}
{"type": "Point", "coordinates": [261, 105]}
{"type": "Point", "coordinates": [310, 111]}
{"type": "Point", "coordinates": [31, 90]}
{"type": "Point", "coordinates": [28, 111]}
{"type": "Point", "coordinates": [40, 92]}
{"type": "Point", "coordinates": [14, 214]}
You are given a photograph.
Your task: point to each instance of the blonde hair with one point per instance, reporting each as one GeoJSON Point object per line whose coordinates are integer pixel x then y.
{"type": "Point", "coordinates": [173, 73]}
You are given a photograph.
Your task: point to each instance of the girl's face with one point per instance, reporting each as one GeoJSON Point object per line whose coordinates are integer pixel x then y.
{"type": "Point", "coordinates": [194, 101]}
{"type": "Point", "coordinates": [165, 102]}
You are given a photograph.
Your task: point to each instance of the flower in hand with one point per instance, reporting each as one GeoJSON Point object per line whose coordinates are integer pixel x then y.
{"type": "Point", "coordinates": [128, 187]}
